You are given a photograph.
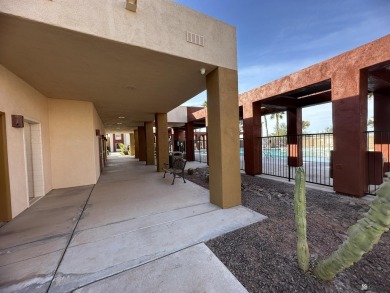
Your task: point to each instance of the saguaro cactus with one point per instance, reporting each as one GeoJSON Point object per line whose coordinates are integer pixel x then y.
{"type": "Point", "coordinates": [361, 237]}
{"type": "Point", "coordinates": [300, 219]}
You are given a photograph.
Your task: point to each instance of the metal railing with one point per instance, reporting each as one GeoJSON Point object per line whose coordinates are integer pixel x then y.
{"type": "Point", "coordinates": [281, 155]}
{"type": "Point", "coordinates": [378, 155]}
{"type": "Point", "coordinates": [242, 160]}
{"type": "Point", "coordinates": [200, 150]}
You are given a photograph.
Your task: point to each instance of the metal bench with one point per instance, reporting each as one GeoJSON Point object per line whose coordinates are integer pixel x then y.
{"type": "Point", "coordinates": [177, 169]}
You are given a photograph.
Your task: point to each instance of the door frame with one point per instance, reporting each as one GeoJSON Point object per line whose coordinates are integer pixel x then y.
{"type": "Point", "coordinates": [5, 199]}
{"type": "Point", "coordinates": [37, 162]}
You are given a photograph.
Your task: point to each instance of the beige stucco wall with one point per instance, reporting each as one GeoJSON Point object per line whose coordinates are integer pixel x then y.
{"type": "Point", "coordinates": [73, 143]}
{"type": "Point", "coordinates": [159, 25]}
{"type": "Point", "coordinates": [17, 97]}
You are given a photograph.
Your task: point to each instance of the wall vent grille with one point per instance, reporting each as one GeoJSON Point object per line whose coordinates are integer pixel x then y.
{"type": "Point", "coordinates": [195, 39]}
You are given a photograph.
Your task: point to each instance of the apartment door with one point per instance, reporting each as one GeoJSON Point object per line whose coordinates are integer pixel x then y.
{"type": "Point", "coordinates": [5, 198]}
{"type": "Point", "coordinates": [29, 160]}
{"type": "Point", "coordinates": [34, 163]}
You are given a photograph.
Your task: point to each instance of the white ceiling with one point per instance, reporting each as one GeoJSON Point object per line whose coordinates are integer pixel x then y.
{"type": "Point", "coordinates": [121, 80]}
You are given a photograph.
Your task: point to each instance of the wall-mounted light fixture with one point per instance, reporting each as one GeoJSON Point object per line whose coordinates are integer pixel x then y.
{"type": "Point", "coordinates": [202, 71]}
{"type": "Point", "coordinates": [131, 5]}
{"type": "Point", "coordinates": [17, 121]}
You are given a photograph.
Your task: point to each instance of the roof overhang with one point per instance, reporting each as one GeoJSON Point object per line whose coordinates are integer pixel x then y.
{"type": "Point", "coordinates": [120, 79]}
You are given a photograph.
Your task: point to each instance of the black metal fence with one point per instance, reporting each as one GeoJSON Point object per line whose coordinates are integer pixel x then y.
{"type": "Point", "coordinates": [281, 155]}
{"type": "Point", "coordinates": [242, 161]}
{"type": "Point", "coordinates": [378, 155]}
{"type": "Point", "coordinates": [200, 150]}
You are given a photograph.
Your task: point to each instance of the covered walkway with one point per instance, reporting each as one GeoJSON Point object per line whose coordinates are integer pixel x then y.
{"type": "Point", "coordinates": [132, 231]}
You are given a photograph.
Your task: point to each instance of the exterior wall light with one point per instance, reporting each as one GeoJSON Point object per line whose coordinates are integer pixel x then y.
{"type": "Point", "coordinates": [131, 5]}
{"type": "Point", "coordinates": [17, 121]}
{"type": "Point", "coordinates": [202, 71]}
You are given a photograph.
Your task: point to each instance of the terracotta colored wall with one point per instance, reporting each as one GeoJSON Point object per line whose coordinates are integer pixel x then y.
{"type": "Point", "coordinates": [367, 55]}
{"type": "Point", "coordinates": [349, 105]}
{"type": "Point", "coordinates": [252, 142]}
{"type": "Point", "coordinates": [349, 85]}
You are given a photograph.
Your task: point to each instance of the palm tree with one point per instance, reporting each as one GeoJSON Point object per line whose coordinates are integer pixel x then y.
{"type": "Point", "coordinates": [266, 125]}
{"type": "Point", "coordinates": [277, 117]}
{"type": "Point", "coordinates": [305, 125]}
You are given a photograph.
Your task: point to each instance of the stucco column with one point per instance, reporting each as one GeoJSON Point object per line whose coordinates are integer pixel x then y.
{"type": "Point", "coordinates": [223, 137]}
{"type": "Point", "coordinates": [149, 143]}
{"type": "Point", "coordinates": [349, 105]}
{"type": "Point", "coordinates": [132, 144]}
{"type": "Point", "coordinates": [382, 126]}
{"type": "Point", "coordinates": [207, 136]}
{"type": "Point", "coordinates": [294, 140]}
{"type": "Point", "coordinates": [136, 144]}
{"type": "Point", "coordinates": [252, 140]}
{"type": "Point", "coordinates": [207, 144]}
{"type": "Point", "coordinates": [162, 140]}
{"type": "Point", "coordinates": [142, 143]}
{"type": "Point", "coordinates": [189, 141]}
{"type": "Point", "coordinates": [175, 138]}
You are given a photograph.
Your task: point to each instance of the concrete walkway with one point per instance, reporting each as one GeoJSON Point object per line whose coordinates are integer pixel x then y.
{"type": "Point", "coordinates": [131, 232]}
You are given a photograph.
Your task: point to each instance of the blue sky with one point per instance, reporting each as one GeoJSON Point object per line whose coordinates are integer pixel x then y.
{"type": "Point", "coordinates": [276, 38]}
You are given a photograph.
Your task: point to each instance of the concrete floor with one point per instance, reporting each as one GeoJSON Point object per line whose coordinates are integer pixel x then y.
{"type": "Point", "coordinates": [131, 232]}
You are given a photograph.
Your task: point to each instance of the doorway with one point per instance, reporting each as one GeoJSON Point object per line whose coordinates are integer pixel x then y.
{"type": "Point", "coordinates": [34, 162]}
{"type": "Point", "coordinates": [5, 198]}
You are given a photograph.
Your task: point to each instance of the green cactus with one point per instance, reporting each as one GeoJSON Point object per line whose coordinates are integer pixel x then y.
{"type": "Point", "coordinates": [300, 219]}
{"type": "Point", "coordinates": [361, 237]}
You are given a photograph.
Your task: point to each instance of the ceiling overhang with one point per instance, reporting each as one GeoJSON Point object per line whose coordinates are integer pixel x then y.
{"type": "Point", "coordinates": [121, 80]}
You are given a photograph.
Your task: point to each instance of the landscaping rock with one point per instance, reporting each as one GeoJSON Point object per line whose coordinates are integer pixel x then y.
{"type": "Point", "coordinates": [263, 256]}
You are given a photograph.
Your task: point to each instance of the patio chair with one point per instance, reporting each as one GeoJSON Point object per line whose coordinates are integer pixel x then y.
{"type": "Point", "coordinates": [177, 169]}
{"type": "Point", "coordinates": [173, 156]}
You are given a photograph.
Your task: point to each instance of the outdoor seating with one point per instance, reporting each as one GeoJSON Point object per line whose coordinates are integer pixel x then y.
{"type": "Point", "coordinates": [173, 156]}
{"type": "Point", "coordinates": [177, 169]}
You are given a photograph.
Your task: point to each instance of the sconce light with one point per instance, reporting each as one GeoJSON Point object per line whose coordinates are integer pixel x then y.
{"type": "Point", "coordinates": [202, 71]}
{"type": "Point", "coordinates": [131, 5]}
{"type": "Point", "coordinates": [17, 121]}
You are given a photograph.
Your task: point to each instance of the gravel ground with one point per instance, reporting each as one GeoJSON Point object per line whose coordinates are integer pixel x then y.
{"type": "Point", "coordinates": [263, 256]}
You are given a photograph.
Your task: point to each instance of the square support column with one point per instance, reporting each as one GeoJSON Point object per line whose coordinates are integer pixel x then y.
{"type": "Point", "coordinates": [294, 138]}
{"type": "Point", "coordinates": [207, 145]}
{"type": "Point", "coordinates": [252, 140]}
{"type": "Point", "coordinates": [132, 145]}
{"type": "Point", "coordinates": [349, 105]}
{"type": "Point", "coordinates": [189, 141]}
{"type": "Point", "coordinates": [381, 127]}
{"type": "Point", "coordinates": [207, 137]}
{"type": "Point", "coordinates": [149, 143]}
{"type": "Point", "coordinates": [142, 143]}
{"type": "Point", "coordinates": [162, 140]}
{"type": "Point", "coordinates": [223, 137]}
{"type": "Point", "coordinates": [136, 144]}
